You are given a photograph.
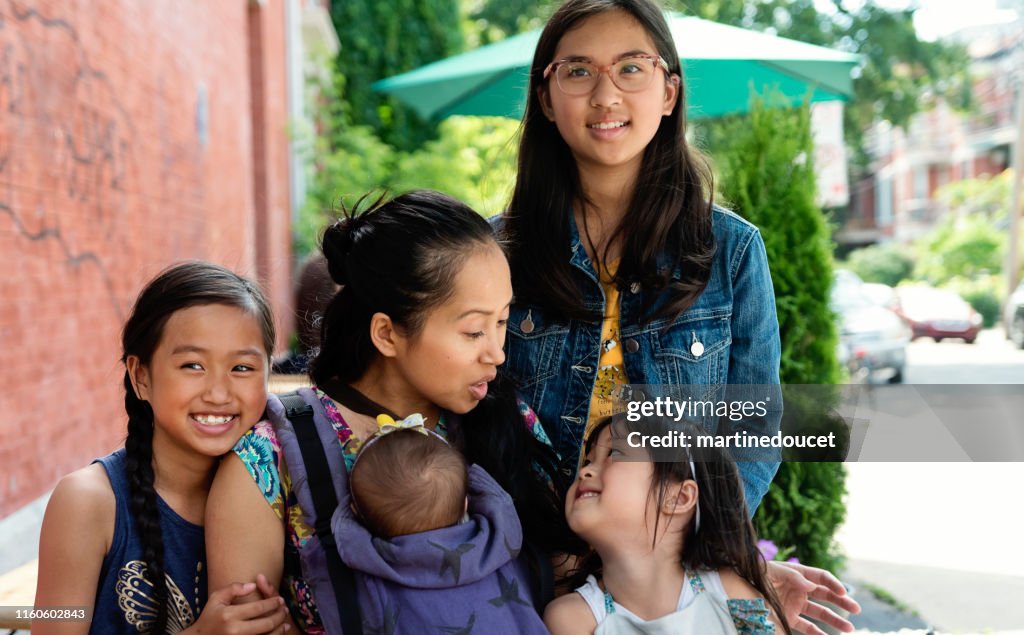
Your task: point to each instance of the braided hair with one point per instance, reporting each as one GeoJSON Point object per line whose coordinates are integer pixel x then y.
{"type": "Point", "coordinates": [178, 287]}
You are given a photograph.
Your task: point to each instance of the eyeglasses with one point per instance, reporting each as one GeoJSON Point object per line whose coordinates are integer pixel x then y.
{"type": "Point", "coordinates": [632, 74]}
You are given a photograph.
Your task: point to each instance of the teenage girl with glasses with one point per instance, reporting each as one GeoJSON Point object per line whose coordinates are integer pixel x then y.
{"type": "Point", "coordinates": [624, 271]}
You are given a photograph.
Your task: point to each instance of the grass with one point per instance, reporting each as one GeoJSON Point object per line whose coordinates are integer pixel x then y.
{"type": "Point", "coordinates": [889, 599]}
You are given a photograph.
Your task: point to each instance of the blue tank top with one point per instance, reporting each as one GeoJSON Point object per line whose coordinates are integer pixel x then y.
{"type": "Point", "coordinates": [124, 598]}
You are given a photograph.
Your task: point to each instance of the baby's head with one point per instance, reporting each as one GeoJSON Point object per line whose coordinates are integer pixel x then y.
{"type": "Point", "coordinates": [408, 481]}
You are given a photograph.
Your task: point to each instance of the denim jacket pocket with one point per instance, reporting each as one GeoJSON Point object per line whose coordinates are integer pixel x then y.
{"type": "Point", "coordinates": [695, 349]}
{"type": "Point", "coordinates": [534, 349]}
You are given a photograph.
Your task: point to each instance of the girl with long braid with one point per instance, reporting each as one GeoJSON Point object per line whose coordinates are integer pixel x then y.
{"type": "Point", "coordinates": [124, 535]}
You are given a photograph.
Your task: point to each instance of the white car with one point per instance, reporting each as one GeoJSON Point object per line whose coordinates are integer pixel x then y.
{"type": "Point", "coordinates": [875, 337]}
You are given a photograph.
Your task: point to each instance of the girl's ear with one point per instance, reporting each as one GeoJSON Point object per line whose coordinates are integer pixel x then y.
{"type": "Point", "coordinates": [544, 97]}
{"type": "Point", "coordinates": [384, 335]}
{"type": "Point", "coordinates": [671, 94]}
{"type": "Point", "coordinates": [139, 376]}
{"type": "Point", "coordinates": [681, 499]}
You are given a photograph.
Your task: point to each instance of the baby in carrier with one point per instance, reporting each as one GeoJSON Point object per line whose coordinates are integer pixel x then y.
{"type": "Point", "coordinates": [432, 542]}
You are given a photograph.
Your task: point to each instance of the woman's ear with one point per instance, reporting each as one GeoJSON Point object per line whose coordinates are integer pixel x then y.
{"type": "Point", "coordinates": [384, 336]}
{"type": "Point", "coordinates": [138, 374]}
{"type": "Point", "coordinates": [672, 86]}
{"type": "Point", "coordinates": [544, 97]}
{"type": "Point", "coordinates": [681, 498]}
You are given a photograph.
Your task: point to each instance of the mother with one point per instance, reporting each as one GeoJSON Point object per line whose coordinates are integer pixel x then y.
{"type": "Point", "coordinates": [417, 327]}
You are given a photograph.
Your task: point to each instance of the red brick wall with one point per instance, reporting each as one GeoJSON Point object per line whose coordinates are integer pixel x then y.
{"type": "Point", "coordinates": [105, 178]}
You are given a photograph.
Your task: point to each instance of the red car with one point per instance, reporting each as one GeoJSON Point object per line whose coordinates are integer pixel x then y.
{"type": "Point", "coordinates": [938, 314]}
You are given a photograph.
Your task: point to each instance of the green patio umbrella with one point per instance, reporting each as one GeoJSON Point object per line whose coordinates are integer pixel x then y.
{"type": "Point", "coordinates": [721, 64]}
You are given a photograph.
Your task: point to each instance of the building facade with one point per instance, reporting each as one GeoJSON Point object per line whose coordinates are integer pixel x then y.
{"type": "Point", "coordinates": [133, 135]}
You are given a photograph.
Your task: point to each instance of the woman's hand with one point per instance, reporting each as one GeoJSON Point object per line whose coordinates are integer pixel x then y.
{"type": "Point", "coordinates": [255, 617]}
{"type": "Point", "coordinates": [796, 585]}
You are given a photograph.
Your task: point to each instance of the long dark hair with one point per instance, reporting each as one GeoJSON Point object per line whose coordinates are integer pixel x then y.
{"type": "Point", "coordinates": [726, 537]}
{"type": "Point", "coordinates": [669, 211]}
{"type": "Point", "coordinates": [178, 287]}
{"type": "Point", "coordinates": [401, 258]}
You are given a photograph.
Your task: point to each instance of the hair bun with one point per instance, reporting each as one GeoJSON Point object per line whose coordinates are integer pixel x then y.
{"type": "Point", "coordinates": [337, 245]}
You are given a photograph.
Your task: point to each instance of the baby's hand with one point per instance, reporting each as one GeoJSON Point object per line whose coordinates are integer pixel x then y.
{"type": "Point", "coordinates": [253, 617]}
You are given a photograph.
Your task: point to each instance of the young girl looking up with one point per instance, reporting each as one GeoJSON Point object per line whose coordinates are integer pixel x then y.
{"type": "Point", "coordinates": [124, 535]}
{"type": "Point", "coordinates": [674, 550]}
{"type": "Point", "coordinates": [624, 272]}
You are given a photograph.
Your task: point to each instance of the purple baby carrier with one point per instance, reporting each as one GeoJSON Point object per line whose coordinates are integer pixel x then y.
{"type": "Point", "coordinates": [464, 579]}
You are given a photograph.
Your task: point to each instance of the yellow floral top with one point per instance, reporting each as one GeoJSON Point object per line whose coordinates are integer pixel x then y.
{"type": "Point", "coordinates": [611, 371]}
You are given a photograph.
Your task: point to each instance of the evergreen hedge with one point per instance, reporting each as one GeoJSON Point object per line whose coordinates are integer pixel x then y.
{"type": "Point", "coordinates": [766, 173]}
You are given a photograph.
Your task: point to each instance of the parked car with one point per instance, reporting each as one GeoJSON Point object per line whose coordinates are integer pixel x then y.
{"type": "Point", "coordinates": [938, 314]}
{"type": "Point", "coordinates": [881, 294]}
{"type": "Point", "coordinates": [1013, 317]}
{"type": "Point", "coordinates": [874, 338]}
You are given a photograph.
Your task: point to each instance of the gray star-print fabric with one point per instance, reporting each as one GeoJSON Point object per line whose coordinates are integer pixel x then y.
{"type": "Point", "coordinates": [464, 579]}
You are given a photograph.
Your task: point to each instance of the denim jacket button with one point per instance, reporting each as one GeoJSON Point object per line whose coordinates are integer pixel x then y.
{"type": "Point", "coordinates": [632, 346]}
{"type": "Point", "coordinates": [634, 288]}
{"type": "Point", "coordinates": [697, 349]}
{"type": "Point", "coordinates": [526, 326]}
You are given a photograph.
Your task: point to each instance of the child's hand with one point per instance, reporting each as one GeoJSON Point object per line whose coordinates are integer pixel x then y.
{"type": "Point", "coordinates": [255, 617]}
{"type": "Point", "coordinates": [796, 584]}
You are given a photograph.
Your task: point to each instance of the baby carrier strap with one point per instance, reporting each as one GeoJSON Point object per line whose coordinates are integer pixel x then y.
{"type": "Point", "coordinates": [306, 438]}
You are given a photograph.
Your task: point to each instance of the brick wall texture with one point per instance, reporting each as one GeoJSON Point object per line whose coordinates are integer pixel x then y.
{"type": "Point", "coordinates": [133, 134]}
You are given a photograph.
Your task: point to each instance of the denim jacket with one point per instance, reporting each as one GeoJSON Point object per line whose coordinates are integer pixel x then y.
{"type": "Point", "coordinates": [555, 363]}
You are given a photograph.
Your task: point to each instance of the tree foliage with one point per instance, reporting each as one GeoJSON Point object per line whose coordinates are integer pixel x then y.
{"type": "Point", "coordinates": [766, 174]}
{"type": "Point", "coordinates": [888, 263]}
{"type": "Point", "coordinates": [495, 20]}
{"type": "Point", "coordinates": [901, 73]}
{"type": "Point", "coordinates": [380, 39]}
{"type": "Point", "coordinates": [966, 247]}
{"type": "Point", "coordinates": [473, 160]}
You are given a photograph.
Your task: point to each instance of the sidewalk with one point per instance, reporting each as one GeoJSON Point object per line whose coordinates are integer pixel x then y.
{"type": "Point", "coordinates": [943, 539]}
{"type": "Point", "coordinates": [945, 599]}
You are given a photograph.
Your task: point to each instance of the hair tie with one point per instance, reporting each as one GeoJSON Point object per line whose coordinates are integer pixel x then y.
{"type": "Point", "coordinates": [338, 241]}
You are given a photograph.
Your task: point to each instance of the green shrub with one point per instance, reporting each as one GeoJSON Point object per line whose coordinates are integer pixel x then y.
{"type": "Point", "coordinates": [967, 246]}
{"type": "Point", "coordinates": [474, 160]}
{"type": "Point", "coordinates": [803, 508]}
{"type": "Point", "coordinates": [766, 174]}
{"type": "Point", "coordinates": [986, 303]}
{"type": "Point", "coordinates": [984, 293]}
{"type": "Point", "coordinates": [888, 263]}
